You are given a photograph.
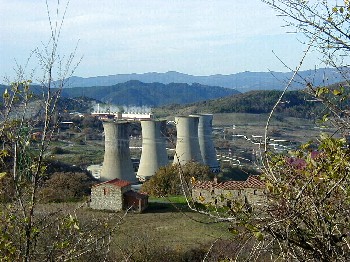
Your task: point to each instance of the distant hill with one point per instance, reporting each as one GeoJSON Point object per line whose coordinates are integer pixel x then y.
{"type": "Point", "coordinates": [243, 82]}
{"type": "Point", "coordinates": [137, 93]}
{"type": "Point", "coordinates": [294, 103]}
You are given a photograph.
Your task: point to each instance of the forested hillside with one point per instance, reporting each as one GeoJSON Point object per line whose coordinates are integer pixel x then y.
{"type": "Point", "coordinates": [155, 94]}
{"type": "Point", "coordinates": [294, 103]}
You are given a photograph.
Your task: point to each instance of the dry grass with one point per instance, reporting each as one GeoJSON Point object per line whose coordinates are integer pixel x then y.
{"type": "Point", "coordinates": [165, 232]}
{"type": "Point", "coordinates": [164, 226]}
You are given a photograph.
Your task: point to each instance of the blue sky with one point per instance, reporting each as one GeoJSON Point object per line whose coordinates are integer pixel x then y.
{"type": "Point", "coordinates": [198, 37]}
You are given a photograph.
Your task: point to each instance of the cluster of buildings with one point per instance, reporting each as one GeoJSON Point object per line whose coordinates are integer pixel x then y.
{"type": "Point", "coordinates": [193, 143]}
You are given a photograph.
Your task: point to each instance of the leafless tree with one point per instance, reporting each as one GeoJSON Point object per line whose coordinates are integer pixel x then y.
{"type": "Point", "coordinates": [28, 230]}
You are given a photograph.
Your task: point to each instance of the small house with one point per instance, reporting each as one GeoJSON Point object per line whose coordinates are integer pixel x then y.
{"type": "Point", "coordinates": [116, 195]}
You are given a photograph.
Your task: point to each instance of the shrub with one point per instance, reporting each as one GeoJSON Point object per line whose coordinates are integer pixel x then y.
{"type": "Point", "coordinates": [59, 150]}
{"type": "Point", "coordinates": [66, 186]}
{"type": "Point", "coordinates": [167, 179]}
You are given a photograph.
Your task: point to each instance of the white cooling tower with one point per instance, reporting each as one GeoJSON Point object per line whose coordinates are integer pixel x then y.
{"type": "Point", "coordinates": [206, 145]}
{"type": "Point", "coordinates": [187, 145]}
{"type": "Point", "coordinates": [154, 154]}
{"type": "Point", "coordinates": [117, 162]}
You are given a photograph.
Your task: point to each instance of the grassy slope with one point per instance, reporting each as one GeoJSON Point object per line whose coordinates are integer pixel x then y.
{"type": "Point", "coordinates": [162, 229]}
{"type": "Point", "coordinates": [165, 227]}
{"type": "Point", "coordinates": [295, 103]}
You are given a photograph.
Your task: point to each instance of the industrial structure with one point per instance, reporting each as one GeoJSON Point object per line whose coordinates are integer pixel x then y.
{"type": "Point", "coordinates": [194, 143]}
{"type": "Point", "coordinates": [117, 161]}
{"type": "Point", "coordinates": [187, 144]}
{"type": "Point", "coordinates": [105, 112]}
{"type": "Point", "coordinates": [154, 154]}
{"type": "Point", "coordinates": [206, 143]}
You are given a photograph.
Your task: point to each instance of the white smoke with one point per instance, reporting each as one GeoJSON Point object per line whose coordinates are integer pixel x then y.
{"type": "Point", "coordinates": [108, 108]}
{"type": "Point", "coordinates": [137, 109]}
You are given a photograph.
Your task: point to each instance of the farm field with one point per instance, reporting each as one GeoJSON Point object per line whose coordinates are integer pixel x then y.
{"type": "Point", "coordinates": [291, 128]}
{"type": "Point", "coordinates": [241, 133]}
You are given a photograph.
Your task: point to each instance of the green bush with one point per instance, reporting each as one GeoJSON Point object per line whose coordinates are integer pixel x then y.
{"type": "Point", "coordinates": [59, 150]}
{"type": "Point", "coordinates": [168, 180]}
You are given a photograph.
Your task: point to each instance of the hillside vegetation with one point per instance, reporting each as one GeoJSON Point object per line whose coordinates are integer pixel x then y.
{"type": "Point", "coordinates": [294, 103]}
{"type": "Point", "coordinates": [137, 93]}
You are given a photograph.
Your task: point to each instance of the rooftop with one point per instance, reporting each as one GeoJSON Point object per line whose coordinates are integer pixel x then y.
{"type": "Point", "coordinates": [251, 182]}
{"type": "Point", "coordinates": [116, 182]}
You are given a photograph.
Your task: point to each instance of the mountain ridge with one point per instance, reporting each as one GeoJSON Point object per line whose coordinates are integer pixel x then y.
{"type": "Point", "coordinates": [242, 81]}
{"type": "Point", "coordinates": [137, 93]}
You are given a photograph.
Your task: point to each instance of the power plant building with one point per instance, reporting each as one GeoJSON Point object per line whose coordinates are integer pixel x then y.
{"type": "Point", "coordinates": [117, 161]}
{"type": "Point", "coordinates": [154, 154]}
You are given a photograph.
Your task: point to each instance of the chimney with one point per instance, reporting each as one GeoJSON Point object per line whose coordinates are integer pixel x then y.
{"type": "Point", "coordinates": [206, 143]}
{"type": "Point", "coordinates": [187, 144]}
{"type": "Point", "coordinates": [154, 154]}
{"type": "Point", "coordinates": [117, 161]}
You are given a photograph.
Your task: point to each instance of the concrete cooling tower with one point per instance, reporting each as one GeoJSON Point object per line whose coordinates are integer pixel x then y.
{"type": "Point", "coordinates": [154, 154]}
{"type": "Point", "coordinates": [187, 145]}
{"type": "Point", "coordinates": [117, 162]}
{"type": "Point", "coordinates": [206, 144]}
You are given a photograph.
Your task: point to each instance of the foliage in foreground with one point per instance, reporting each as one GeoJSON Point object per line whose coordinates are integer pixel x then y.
{"type": "Point", "coordinates": [27, 231]}
{"type": "Point", "coordinates": [306, 215]}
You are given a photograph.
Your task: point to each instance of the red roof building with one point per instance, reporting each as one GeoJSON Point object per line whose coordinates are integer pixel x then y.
{"type": "Point", "coordinates": [250, 191]}
{"type": "Point", "coordinates": [116, 195]}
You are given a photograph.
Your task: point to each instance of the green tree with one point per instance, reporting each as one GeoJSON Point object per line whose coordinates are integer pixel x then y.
{"type": "Point", "coordinates": [169, 179]}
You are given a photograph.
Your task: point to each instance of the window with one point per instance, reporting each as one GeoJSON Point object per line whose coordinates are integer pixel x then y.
{"type": "Point", "coordinates": [105, 191]}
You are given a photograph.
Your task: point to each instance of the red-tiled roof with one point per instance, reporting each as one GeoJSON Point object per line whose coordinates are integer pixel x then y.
{"type": "Point", "coordinates": [116, 182]}
{"type": "Point", "coordinates": [251, 182]}
{"type": "Point", "coordinates": [254, 182]}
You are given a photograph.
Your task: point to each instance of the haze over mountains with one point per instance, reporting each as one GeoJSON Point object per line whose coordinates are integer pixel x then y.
{"type": "Point", "coordinates": [243, 82]}
{"type": "Point", "coordinates": [159, 89]}
{"type": "Point", "coordinates": [138, 93]}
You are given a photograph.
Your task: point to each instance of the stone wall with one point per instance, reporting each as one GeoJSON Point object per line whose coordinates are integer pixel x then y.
{"type": "Point", "coordinates": [108, 197]}
{"type": "Point", "coordinates": [225, 198]}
